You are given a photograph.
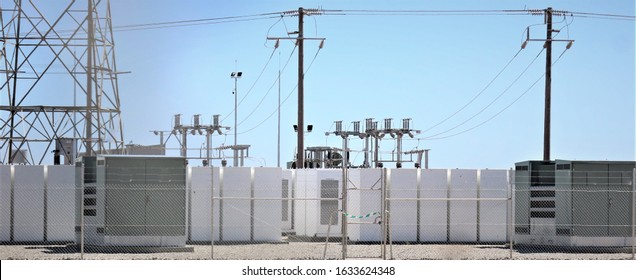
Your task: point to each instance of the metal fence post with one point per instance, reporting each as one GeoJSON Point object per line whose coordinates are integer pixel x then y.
{"type": "Point", "coordinates": [383, 214]}
{"type": "Point", "coordinates": [510, 208]}
{"type": "Point", "coordinates": [633, 212]}
{"type": "Point", "coordinates": [345, 179]}
{"type": "Point", "coordinates": [212, 212]}
{"type": "Point", "coordinates": [82, 188]}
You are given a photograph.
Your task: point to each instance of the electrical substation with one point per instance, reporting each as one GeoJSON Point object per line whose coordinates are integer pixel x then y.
{"type": "Point", "coordinates": [159, 196]}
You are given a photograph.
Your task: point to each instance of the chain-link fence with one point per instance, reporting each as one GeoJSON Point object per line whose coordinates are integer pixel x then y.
{"type": "Point", "coordinates": [159, 212]}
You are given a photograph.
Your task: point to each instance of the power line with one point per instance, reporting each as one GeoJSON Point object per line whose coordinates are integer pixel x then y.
{"type": "Point", "coordinates": [601, 15]}
{"type": "Point", "coordinates": [494, 100]}
{"type": "Point", "coordinates": [269, 90]}
{"type": "Point", "coordinates": [498, 113]}
{"type": "Point", "coordinates": [284, 100]}
{"type": "Point", "coordinates": [478, 94]}
{"type": "Point", "coordinates": [190, 22]}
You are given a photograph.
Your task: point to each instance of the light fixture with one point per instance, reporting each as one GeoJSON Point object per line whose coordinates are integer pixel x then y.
{"type": "Point", "coordinates": [295, 128]}
{"type": "Point", "coordinates": [310, 127]}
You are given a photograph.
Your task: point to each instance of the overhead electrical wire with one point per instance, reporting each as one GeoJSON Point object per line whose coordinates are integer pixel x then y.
{"type": "Point", "coordinates": [478, 94]}
{"type": "Point", "coordinates": [491, 81]}
{"type": "Point", "coordinates": [432, 137]}
{"type": "Point", "coordinates": [284, 100]}
{"type": "Point", "coordinates": [269, 90]}
{"type": "Point", "coordinates": [192, 22]}
{"type": "Point", "coordinates": [494, 100]}
{"type": "Point", "coordinates": [242, 18]}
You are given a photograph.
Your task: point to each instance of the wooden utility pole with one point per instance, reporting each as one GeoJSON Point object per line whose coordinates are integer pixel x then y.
{"type": "Point", "coordinates": [548, 85]}
{"type": "Point", "coordinates": [300, 156]}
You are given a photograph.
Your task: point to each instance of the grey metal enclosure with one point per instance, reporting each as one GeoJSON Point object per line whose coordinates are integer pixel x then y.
{"type": "Point", "coordinates": [574, 203]}
{"type": "Point", "coordinates": [132, 200]}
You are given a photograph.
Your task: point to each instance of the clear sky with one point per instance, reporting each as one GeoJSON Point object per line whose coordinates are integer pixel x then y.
{"type": "Point", "coordinates": [390, 66]}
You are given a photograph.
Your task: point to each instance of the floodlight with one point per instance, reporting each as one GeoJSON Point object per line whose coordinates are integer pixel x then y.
{"type": "Point", "coordinates": [310, 127]}
{"type": "Point", "coordinates": [295, 128]}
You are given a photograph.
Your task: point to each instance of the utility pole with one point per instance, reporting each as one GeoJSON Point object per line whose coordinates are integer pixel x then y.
{"type": "Point", "coordinates": [300, 145]}
{"type": "Point", "coordinates": [547, 13]}
{"type": "Point", "coordinates": [300, 156]}
{"type": "Point", "coordinates": [548, 84]}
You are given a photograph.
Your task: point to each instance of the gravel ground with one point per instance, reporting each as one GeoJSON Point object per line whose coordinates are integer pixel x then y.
{"type": "Point", "coordinates": [307, 251]}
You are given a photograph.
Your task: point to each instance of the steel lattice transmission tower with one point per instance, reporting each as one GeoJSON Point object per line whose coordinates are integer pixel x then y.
{"type": "Point", "coordinates": [59, 80]}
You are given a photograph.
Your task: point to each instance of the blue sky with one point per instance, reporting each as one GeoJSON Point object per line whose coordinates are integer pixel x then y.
{"type": "Point", "coordinates": [422, 67]}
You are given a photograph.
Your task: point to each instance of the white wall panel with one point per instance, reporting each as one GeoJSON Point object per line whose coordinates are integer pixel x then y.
{"type": "Point", "coordinates": [493, 214]}
{"type": "Point", "coordinates": [267, 213]}
{"type": "Point", "coordinates": [463, 214]}
{"type": "Point", "coordinates": [236, 213]}
{"type": "Point", "coordinates": [403, 220]}
{"type": "Point", "coordinates": [433, 214]}
{"type": "Point", "coordinates": [369, 201]}
{"type": "Point", "coordinates": [201, 179]}
{"type": "Point", "coordinates": [60, 196]}
{"type": "Point", "coordinates": [28, 216]}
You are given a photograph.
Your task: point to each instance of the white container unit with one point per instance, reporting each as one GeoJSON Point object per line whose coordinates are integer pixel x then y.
{"type": "Point", "coordinates": [493, 214]}
{"type": "Point", "coordinates": [433, 212]}
{"type": "Point", "coordinates": [312, 215]}
{"type": "Point", "coordinates": [402, 183]}
{"type": "Point", "coordinates": [199, 182]}
{"type": "Point", "coordinates": [60, 203]}
{"type": "Point", "coordinates": [463, 213]}
{"type": "Point", "coordinates": [364, 197]}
